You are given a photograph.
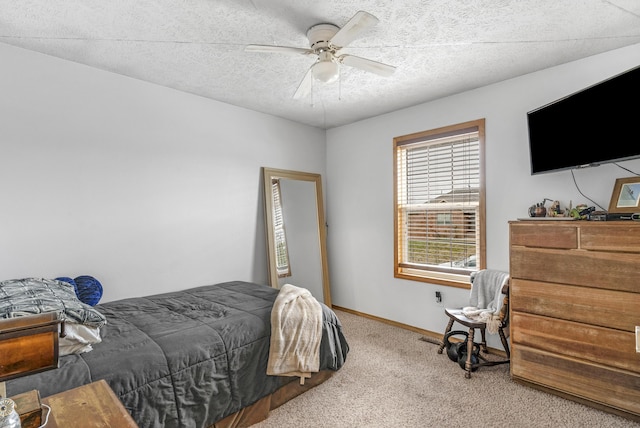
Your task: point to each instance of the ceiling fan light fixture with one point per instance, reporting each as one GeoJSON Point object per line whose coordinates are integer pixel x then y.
{"type": "Point", "coordinates": [325, 71]}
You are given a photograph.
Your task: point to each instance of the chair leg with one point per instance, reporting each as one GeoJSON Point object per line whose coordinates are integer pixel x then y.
{"type": "Point", "coordinates": [447, 330]}
{"type": "Point", "coordinates": [505, 344]}
{"type": "Point", "coordinates": [468, 365]}
{"type": "Point", "coordinates": [483, 344]}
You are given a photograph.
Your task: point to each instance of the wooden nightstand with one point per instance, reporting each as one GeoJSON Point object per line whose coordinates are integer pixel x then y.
{"type": "Point", "coordinates": [91, 406]}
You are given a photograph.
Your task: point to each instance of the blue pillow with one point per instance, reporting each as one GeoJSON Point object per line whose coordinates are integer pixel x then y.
{"type": "Point", "coordinates": [89, 289]}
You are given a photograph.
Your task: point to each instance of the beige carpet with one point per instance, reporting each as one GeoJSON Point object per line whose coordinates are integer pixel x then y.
{"type": "Point", "coordinates": [393, 379]}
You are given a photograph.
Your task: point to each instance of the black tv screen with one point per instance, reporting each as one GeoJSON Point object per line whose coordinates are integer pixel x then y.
{"type": "Point", "coordinates": [596, 125]}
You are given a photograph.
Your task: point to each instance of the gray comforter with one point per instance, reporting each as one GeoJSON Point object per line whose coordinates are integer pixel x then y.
{"type": "Point", "coordinates": [187, 358]}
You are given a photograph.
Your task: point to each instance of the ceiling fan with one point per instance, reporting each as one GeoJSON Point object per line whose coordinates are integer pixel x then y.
{"type": "Point", "coordinates": [326, 41]}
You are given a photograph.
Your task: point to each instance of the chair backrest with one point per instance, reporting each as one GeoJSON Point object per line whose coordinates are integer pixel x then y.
{"type": "Point", "coordinates": [504, 310]}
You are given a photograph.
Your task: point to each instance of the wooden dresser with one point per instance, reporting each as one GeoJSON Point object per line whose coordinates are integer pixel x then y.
{"type": "Point", "coordinates": [575, 303]}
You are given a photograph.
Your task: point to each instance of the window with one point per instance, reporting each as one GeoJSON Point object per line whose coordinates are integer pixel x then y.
{"type": "Point", "coordinates": [282, 252]}
{"type": "Point", "coordinates": [444, 218]}
{"type": "Point", "coordinates": [439, 204]}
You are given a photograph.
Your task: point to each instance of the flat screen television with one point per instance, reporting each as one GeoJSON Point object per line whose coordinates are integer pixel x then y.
{"type": "Point", "coordinates": [590, 127]}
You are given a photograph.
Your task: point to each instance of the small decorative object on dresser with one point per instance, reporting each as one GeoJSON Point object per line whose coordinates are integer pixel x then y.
{"type": "Point", "coordinates": [29, 407]}
{"type": "Point", "coordinates": [538, 210]}
{"type": "Point", "coordinates": [9, 417]}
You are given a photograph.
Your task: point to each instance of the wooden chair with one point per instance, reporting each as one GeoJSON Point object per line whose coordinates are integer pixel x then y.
{"type": "Point", "coordinates": [457, 316]}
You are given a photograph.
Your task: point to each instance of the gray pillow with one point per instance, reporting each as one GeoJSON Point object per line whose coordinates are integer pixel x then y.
{"type": "Point", "coordinates": [28, 296]}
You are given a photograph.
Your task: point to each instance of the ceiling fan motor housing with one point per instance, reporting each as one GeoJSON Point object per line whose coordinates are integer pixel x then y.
{"type": "Point", "coordinates": [320, 35]}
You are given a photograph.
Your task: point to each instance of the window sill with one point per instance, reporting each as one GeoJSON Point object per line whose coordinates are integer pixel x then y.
{"type": "Point", "coordinates": [440, 278]}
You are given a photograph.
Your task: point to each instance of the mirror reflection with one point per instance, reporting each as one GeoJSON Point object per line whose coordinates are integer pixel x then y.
{"type": "Point", "coordinates": [296, 236]}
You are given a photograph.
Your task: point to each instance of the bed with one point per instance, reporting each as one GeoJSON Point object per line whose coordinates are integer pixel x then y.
{"type": "Point", "coordinates": [190, 358]}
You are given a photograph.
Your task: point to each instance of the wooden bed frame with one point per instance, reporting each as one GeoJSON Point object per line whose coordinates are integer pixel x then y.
{"type": "Point", "coordinates": [259, 411]}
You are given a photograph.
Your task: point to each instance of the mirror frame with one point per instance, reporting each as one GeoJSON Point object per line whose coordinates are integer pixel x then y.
{"type": "Point", "coordinates": [268, 175]}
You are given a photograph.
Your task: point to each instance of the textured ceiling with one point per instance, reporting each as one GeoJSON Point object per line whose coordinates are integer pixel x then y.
{"type": "Point", "coordinates": [440, 47]}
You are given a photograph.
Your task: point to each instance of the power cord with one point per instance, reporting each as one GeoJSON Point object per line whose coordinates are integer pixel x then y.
{"type": "Point", "coordinates": [580, 191]}
{"type": "Point", "coordinates": [626, 169]}
{"type": "Point", "coordinates": [46, 419]}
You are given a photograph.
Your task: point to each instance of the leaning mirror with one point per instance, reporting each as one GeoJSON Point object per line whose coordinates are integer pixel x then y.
{"type": "Point", "coordinates": [296, 235]}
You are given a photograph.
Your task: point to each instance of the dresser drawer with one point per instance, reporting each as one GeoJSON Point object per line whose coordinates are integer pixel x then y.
{"type": "Point", "coordinates": [612, 237]}
{"type": "Point", "coordinates": [594, 306]}
{"type": "Point", "coordinates": [607, 386]}
{"type": "Point", "coordinates": [613, 271]}
{"type": "Point", "coordinates": [543, 236]}
{"type": "Point", "coordinates": [600, 345]}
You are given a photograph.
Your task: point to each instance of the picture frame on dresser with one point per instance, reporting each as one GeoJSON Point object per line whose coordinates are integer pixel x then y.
{"type": "Point", "coordinates": [626, 196]}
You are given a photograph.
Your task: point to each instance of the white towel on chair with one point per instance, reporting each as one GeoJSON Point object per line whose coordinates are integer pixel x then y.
{"type": "Point", "coordinates": [486, 297]}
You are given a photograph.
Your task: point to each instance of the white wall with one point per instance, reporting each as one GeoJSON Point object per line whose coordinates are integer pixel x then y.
{"type": "Point", "coordinates": [360, 185]}
{"type": "Point", "coordinates": [145, 188]}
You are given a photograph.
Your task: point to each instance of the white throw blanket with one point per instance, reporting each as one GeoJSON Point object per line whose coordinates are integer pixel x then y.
{"type": "Point", "coordinates": [486, 297]}
{"type": "Point", "coordinates": [296, 332]}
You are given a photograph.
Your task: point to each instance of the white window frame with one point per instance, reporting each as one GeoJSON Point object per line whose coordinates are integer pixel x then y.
{"type": "Point", "coordinates": [466, 138]}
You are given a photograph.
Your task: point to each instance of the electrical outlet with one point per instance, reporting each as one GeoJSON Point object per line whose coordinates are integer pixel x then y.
{"type": "Point", "coordinates": [438, 297]}
{"type": "Point", "coordinates": [638, 338]}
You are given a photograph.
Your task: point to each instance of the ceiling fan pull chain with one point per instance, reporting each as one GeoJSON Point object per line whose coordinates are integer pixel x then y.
{"type": "Point", "coordinates": [313, 93]}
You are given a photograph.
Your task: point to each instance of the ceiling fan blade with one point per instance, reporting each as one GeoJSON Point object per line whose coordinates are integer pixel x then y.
{"type": "Point", "coordinates": [304, 88]}
{"type": "Point", "coordinates": [278, 49]}
{"type": "Point", "coordinates": [352, 29]}
{"type": "Point", "coordinates": [368, 65]}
